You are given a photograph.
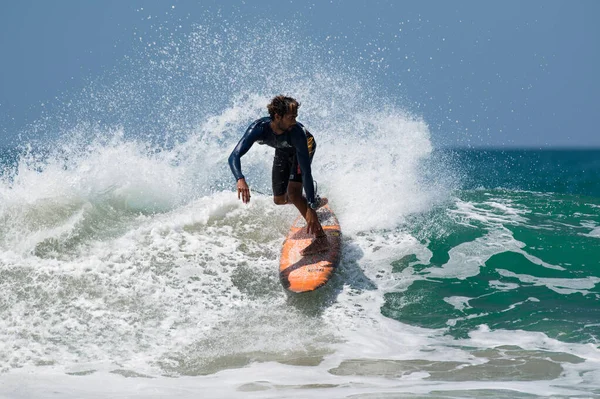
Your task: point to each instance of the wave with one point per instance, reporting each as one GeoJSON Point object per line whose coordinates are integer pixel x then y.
{"type": "Point", "coordinates": [155, 134]}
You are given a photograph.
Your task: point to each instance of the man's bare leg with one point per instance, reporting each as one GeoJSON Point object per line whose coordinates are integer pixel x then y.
{"type": "Point", "coordinates": [294, 195]}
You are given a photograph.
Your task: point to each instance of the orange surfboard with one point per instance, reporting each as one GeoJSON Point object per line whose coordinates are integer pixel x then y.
{"type": "Point", "coordinates": [307, 273]}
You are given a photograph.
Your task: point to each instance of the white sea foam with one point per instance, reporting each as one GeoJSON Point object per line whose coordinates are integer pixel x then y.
{"type": "Point", "coordinates": [467, 258]}
{"type": "Point", "coordinates": [594, 233]}
{"type": "Point", "coordinates": [466, 213]}
{"type": "Point", "coordinates": [458, 302]}
{"type": "Point", "coordinates": [560, 285]}
{"type": "Point", "coordinates": [499, 285]}
{"type": "Point", "coordinates": [125, 255]}
{"type": "Point", "coordinates": [590, 224]}
{"type": "Point", "coordinates": [376, 360]}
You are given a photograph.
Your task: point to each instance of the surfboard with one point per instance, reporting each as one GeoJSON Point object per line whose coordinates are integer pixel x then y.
{"type": "Point", "coordinates": [307, 273]}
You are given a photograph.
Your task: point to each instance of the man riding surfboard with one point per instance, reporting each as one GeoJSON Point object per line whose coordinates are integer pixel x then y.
{"type": "Point", "coordinates": [294, 149]}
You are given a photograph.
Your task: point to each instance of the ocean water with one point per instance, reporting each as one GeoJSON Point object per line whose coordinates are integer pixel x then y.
{"type": "Point", "coordinates": [128, 268]}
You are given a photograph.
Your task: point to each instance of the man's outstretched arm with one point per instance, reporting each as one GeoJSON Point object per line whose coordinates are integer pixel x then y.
{"type": "Point", "coordinates": [235, 163]}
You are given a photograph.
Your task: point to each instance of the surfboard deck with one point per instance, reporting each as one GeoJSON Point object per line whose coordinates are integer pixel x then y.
{"type": "Point", "coordinates": [307, 273]}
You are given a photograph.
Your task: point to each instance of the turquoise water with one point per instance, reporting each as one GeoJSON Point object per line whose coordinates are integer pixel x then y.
{"type": "Point", "coordinates": [532, 259]}
{"type": "Point", "coordinates": [553, 170]}
{"type": "Point", "coordinates": [527, 223]}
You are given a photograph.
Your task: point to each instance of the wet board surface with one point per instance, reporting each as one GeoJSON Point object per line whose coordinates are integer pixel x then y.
{"type": "Point", "coordinates": [307, 273]}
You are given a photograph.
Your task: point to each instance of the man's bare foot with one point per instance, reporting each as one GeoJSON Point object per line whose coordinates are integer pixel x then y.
{"type": "Point", "coordinates": [319, 244]}
{"type": "Point", "coordinates": [322, 201]}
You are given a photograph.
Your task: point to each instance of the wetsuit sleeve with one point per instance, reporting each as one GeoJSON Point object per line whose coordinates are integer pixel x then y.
{"type": "Point", "coordinates": [251, 135]}
{"type": "Point", "coordinates": [298, 139]}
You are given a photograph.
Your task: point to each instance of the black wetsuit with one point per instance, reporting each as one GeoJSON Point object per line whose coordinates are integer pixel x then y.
{"type": "Point", "coordinates": [294, 150]}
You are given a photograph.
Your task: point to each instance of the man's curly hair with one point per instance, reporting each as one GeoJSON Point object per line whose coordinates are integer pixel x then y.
{"type": "Point", "coordinates": [281, 105]}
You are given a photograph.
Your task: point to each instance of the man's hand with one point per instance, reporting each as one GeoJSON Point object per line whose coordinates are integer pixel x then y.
{"type": "Point", "coordinates": [243, 191]}
{"type": "Point", "coordinates": [312, 222]}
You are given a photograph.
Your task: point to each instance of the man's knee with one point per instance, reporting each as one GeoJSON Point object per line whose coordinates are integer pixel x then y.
{"type": "Point", "coordinates": [280, 199]}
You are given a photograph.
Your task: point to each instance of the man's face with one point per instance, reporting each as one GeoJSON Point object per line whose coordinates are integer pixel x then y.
{"type": "Point", "coordinates": [288, 120]}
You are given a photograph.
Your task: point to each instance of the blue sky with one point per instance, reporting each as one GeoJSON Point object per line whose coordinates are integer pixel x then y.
{"type": "Point", "coordinates": [480, 73]}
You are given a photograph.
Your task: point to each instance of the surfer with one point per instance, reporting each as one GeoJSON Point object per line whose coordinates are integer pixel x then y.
{"type": "Point", "coordinates": [294, 150]}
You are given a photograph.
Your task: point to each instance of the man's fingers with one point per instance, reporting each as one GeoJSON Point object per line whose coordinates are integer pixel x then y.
{"type": "Point", "coordinates": [245, 195]}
